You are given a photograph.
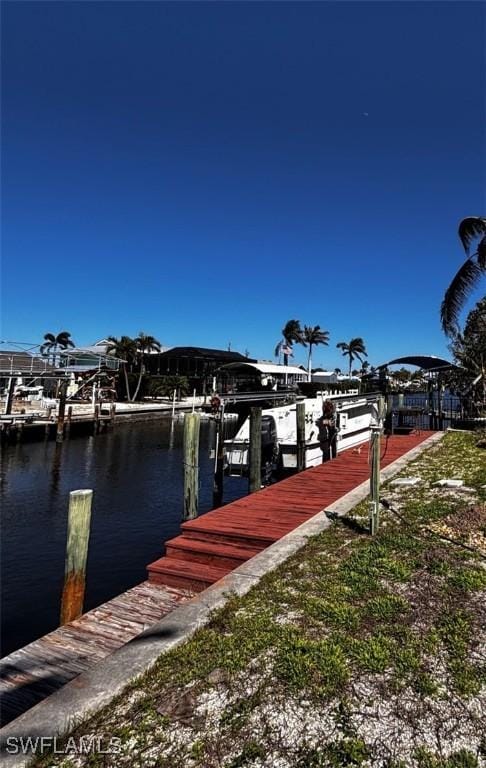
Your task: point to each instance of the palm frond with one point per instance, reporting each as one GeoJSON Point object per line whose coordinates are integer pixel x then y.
{"type": "Point", "coordinates": [292, 331]}
{"type": "Point", "coordinates": [456, 295]}
{"type": "Point", "coordinates": [470, 228]}
{"type": "Point", "coordinates": [482, 253]}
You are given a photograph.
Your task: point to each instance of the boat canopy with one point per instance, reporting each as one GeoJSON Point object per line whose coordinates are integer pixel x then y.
{"type": "Point", "coordinates": [426, 362]}
{"type": "Point", "coordinates": [267, 369]}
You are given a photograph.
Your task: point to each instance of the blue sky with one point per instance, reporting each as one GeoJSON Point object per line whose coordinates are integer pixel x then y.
{"type": "Point", "coordinates": [206, 171]}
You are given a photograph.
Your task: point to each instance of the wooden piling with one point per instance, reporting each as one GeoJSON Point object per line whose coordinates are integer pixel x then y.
{"type": "Point", "coordinates": [191, 465]}
{"type": "Point", "coordinates": [79, 520]}
{"type": "Point", "coordinates": [60, 413]}
{"type": "Point", "coordinates": [218, 485]}
{"type": "Point", "coordinates": [112, 414]}
{"type": "Point", "coordinates": [69, 419]}
{"type": "Point", "coordinates": [255, 450]}
{"type": "Point", "coordinates": [300, 419]}
{"type": "Point", "coordinates": [96, 420]}
{"type": "Point", "coordinates": [375, 480]}
{"type": "Point", "coordinates": [10, 394]}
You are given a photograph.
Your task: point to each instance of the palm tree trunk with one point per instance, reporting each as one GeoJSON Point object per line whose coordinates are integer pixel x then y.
{"type": "Point", "coordinates": [286, 359]}
{"type": "Point", "coordinates": [350, 364]}
{"type": "Point", "coordinates": [309, 364]}
{"type": "Point", "coordinates": [126, 382]}
{"type": "Point", "coordinates": [140, 375]}
{"type": "Point", "coordinates": [138, 385]}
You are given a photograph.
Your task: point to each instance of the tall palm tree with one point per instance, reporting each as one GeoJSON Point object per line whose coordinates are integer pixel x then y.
{"type": "Point", "coordinates": [125, 349]}
{"type": "Point", "coordinates": [312, 336]}
{"type": "Point", "coordinates": [470, 229]}
{"type": "Point", "coordinates": [353, 349]}
{"type": "Point", "coordinates": [52, 343]}
{"type": "Point", "coordinates": [291, 334]}
{"type": "Point", "coordinates": [144, 344]}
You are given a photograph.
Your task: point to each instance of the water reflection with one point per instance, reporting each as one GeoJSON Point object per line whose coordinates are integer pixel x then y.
{"type": "Point", "coordinates": [135, 471]}
{"type": "Point", "coordinates": [56, 469]}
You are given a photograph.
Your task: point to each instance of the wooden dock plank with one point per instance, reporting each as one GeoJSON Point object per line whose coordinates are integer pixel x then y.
{"type": "Point", "coordinates": [30, 674]}
{"type": "Point", "coordinates": [269, 514]}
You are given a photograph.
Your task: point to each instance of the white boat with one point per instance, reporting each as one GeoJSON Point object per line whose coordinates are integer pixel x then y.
{"type": "Point", "coordinates": [354, 416]}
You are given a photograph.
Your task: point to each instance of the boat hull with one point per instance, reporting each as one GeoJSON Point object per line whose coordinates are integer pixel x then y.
{"type": "Point", "coordinates": [354, 418]}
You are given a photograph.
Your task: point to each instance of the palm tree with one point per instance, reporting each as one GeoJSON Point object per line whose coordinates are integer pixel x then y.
{"type": "Point", "coordinates": [468, 276]}
{"type": "Point", "coordinates": [53, 343]}
{"type": "Point", "coordinates": [312, 336]}
{"type": "Point", "coordinates": [354, 350]}
{"type": "Point", "coordinates": [292, 334]}
{"type": "Point", "coordinates": [144, 344]}
{"type": "Point", "coordinates": [125, 349]}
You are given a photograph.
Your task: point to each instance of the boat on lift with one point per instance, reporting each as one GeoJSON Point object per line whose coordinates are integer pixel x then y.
{"type": "Point", "coordinates": [354, 416]}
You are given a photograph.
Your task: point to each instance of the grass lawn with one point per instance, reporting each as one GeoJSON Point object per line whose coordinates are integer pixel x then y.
{"type": "Point", "coordinates": [355, 652]}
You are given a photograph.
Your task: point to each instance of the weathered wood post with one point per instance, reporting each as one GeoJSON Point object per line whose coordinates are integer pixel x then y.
{"type": "Point", "coordinates": [389, 413]}
{"type": "Point", "coordinates": [430, 403]}
{"type": "Point", "coordinates": [69, 419]}
{"type": "Point", "coordinates": [79, 520]}
{"type": "Point", "coordinates": [440, 414]}
{"type": "Point", "coordinates": [401, 399]}
{"type": "Point", "coordinates": [218, 485]}
{"type": "Point", "coordinates": [112, 414]}
{"type": "Point", "coordinates": [255, 449]}
{"type": "Point", "coordinates": [10, 394]}
{"type": "Point", "coordinates": [300, 418]}
{"type": "Point", "coordinates": [191, 465]}
{"type": "Point", "coordinates": [96, 419]}
{"type": "Point", "coordinates": [375, 479]}
{"type": "Point", "coordinates": [61, 412]}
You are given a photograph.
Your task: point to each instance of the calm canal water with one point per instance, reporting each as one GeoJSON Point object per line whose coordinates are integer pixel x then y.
{"type": "Point", "coordinates": [136, 474]}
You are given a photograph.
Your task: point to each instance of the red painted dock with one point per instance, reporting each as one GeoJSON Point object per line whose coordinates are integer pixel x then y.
{"type": "Point", "coordinates": [214, 544]}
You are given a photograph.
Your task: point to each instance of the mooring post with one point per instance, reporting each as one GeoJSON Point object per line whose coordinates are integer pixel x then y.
{"type": "Point", "coordinates": [440, 415]}
{"type": "Point", "coordinates": [96, 419]}
{"type": "Point", "coordinates": [69, 419]}
{"type": "Point", "coordinates": [60, 413]}
{"type": "Point", "coordinates": [430, 403]}
{"type": "Point", "coordinates": [389, 413]}
{"type": "Point", "coordinates": [79, 520]}
{"type": "Point", "coordinates": [375, 479]}
{"type": "Point", "coordinates": [218, 485]}
{"type": "Point", "coordinates": [191, 465]}
{"type": "Point", "coordinates": [401, 398]}
{"type": "Point", "coordinates": [112, 414]}
{"type": "Point", "coordinates": [10, 394]}
{"type": "Point", "coordinates": [173, 402]}
{"type": "Point", "coordinates": [300, 418]}
{"type": "Point", "coordinates": [255, 449]}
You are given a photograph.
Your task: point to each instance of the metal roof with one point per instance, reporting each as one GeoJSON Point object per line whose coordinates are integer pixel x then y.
{"type": "Point", "coordinates": [426, 362]}
{"type": "Point", "coordinates": [267, 368]}
{"type": "Point", "coordinates": [18, 363]}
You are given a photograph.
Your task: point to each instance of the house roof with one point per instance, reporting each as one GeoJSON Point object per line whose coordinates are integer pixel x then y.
{"type": "Point", "coordinates": [221, 354]}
